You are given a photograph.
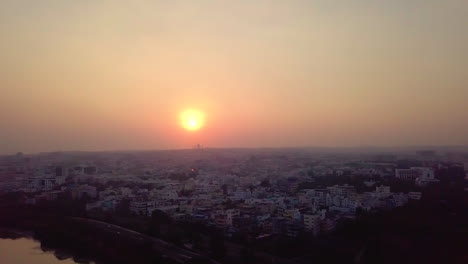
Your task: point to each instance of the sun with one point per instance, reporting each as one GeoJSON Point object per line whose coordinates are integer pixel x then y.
{"type": "Point", "coordinates": [192, 120]}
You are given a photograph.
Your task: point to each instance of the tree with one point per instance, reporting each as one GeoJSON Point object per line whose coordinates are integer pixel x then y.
{"type": "Point", "coordinates": [247, 254]}
{"type": "Point", "coordinates": [123, 208]}
{"type": "Point", "coordinates": [265, 183]}
{"type": "Point", "coordinates": [197, 240]}
{"type": "Point", "coordinates": [218, 249]}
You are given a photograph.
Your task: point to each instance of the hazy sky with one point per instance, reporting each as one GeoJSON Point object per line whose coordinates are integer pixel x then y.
{"type": "Point", "coordinates": [100, 75]}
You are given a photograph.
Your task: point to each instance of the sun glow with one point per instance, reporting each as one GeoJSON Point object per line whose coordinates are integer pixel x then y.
{"type": "Point", "coordinates": [192, 120]}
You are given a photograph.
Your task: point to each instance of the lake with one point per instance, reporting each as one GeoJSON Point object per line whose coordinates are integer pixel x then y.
{"type": "Point", "coordinates": [27, 250]}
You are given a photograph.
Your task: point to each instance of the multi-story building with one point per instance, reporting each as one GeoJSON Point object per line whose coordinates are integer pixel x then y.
{"type": "Point", "coordinates": [142, 207]}
{"type": "Point", "coordinates": [81, 191]}
{"type": "Point", "coordinates": [415, 195]}
{"type": "Point", "coordinates": [43, 183]}
{"type": "Point", "coordinates": [312, 223]}
{"type": "Point", "coordinates": [414, 173]}
{"type": "Point", "coordinates": [342, 190]}
{"type": "Point", "coordinates": [406, 174]}
{"type": "Point", "coordinates": [293, 228]}
{"type": "Point", "coordinates": [383, 191]}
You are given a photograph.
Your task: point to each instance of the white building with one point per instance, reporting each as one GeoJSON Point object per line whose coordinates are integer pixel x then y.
{"type": "Point", "coordinates": [406, 174]}
{"type": "Point", "coordinates": [414, 173]}
{"type": "Point", "coordinates": [342, 190]}
{"type": "Point", "coordinates": [167, 195]}
{"type": "Point", "coordinates": [230, 214]}
{"type": "Point", "coordinates": [425, 172]}
{"type": "Point", "coordinates": [383, 191]}
{"type": "Point", "coordinates": [43, 183]}
{"type": "Point", "coordinates": [426, 177]}
{"type": "Point", "coordinates": [415, 195]}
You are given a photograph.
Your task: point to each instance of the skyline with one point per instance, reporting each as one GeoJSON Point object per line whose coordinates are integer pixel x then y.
{"type": "Point", "coordinates": [113, 75]}
{"type": "Point", "coordinates": [374, 150]}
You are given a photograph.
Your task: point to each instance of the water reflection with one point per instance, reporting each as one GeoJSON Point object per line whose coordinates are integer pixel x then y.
{"type": "Point", "coordinates": [26, 250]}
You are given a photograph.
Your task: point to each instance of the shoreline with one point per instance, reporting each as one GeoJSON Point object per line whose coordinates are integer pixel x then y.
{"type": "Point", "coordinates": [60, 254]}
{"type": "Point", "coordinates": [10, 233]}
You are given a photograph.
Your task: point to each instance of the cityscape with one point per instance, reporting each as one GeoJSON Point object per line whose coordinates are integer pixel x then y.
{"type": "Point", "coordinates": [233, 132]}
{"type": "Point", "coordinates": [227, 205]}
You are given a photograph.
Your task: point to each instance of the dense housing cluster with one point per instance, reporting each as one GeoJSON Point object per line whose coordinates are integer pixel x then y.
{"type": "Point", "coordinates": [257, 192]}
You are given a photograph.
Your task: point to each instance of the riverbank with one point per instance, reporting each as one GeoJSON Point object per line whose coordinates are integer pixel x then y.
{"type": "Point", "coordinates": [60, 254]}
{"type": "Point", "coordinates": [28, 250]}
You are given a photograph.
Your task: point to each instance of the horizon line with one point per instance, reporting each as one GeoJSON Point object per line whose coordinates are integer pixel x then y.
{"type": "Point", "coordinates": [368, 147]}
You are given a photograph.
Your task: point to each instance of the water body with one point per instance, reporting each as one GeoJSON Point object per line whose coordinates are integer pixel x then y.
{"type": "Point", "coordinates": [26, 250]}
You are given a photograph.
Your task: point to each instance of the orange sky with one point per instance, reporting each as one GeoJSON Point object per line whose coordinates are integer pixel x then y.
{"type": "Point", "coordinates": [103, 75]}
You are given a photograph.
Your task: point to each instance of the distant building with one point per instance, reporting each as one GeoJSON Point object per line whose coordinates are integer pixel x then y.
{"type": "Point", "coordinates": [43, 183]}
{"type": "Point", "coordinates": [342, 190]}
{"type": "Point", "coordinates": [414, 173]}
{"type": "Point", "coordinates": [415, 195]}
{"type": "Point", "coordinates": [142, 207]}
{"type": "Point", "coordinates": [406, 174]}
{"type": "Point", "coordinates": [383, 191]}
{"type": "Point", "coordinates": [328, 224]}
{"type": "Point", "coordinates": [61, 171]}
{"type": "Point", "coordinates": [312, 223]}
{"type": "Point", "coordinates": [426, 153]}
{"type": "Point", "coordinates": [84, 190]}
{"type": "Point", "coordinates": [426, 177]}
{"type": "Point", "coordinates": [385, 158]}
{"type": "Point", "coordinates": [293, 228]}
